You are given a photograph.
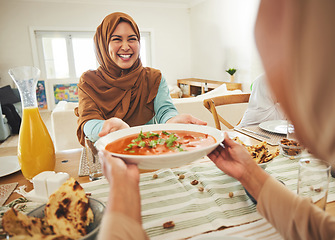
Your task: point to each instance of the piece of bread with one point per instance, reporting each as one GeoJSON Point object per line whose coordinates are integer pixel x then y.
{"type": "Point", "coordinates": [68, 211]}
{"type": "Point", "coordinates": [17, 223]}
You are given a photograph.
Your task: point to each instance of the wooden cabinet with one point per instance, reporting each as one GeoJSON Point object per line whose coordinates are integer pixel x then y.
{"type": "Point", "coordinates": [196, 86]}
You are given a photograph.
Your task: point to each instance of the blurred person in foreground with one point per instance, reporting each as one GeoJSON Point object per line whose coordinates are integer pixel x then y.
{"type": "Point", "coordinates": [295, 39]}
{"type": "Point", "coordinates": [121, 92]}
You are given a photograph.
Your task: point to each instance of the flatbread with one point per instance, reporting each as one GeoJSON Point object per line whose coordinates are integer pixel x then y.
{"type": "Point", "coordinates": [17, 223]}
{"type": "Point", "coordinates": [67, 216]}
{"type": "Point", "coordinates": [259, 152]}
{"type": "Point", "coordinates": [68, 210]}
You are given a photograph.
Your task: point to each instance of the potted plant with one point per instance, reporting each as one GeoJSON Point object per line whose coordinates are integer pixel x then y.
{"type": "Point", "coordinates": [231, 72]}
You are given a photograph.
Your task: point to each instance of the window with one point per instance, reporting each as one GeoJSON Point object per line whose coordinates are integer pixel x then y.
{"type": "Point", "coordinates": [64, 55]}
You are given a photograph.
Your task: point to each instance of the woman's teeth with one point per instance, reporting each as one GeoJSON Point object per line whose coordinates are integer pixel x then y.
{"type": "Point", "coordinates": [124, 56]}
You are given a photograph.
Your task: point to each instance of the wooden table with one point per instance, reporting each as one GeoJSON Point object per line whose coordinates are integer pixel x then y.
{"type": "Point", "coordinates": [68, 161]}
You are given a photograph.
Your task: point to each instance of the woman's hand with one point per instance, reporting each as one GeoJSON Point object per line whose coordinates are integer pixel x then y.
{"type": "Point", "coordinates": [235, 161]}
{"type": "Point", "coordinates": [111, 125]}
{"type": "Point", "coordinates": [124, 194]}
{"type": "Point", "coordinates": [186, 118]}
{"type": "Point", "coordinates": [233, 158]}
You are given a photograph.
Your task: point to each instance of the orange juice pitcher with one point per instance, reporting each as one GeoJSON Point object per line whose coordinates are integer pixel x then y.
{"type": "Point", "coordinates": [36, 152]}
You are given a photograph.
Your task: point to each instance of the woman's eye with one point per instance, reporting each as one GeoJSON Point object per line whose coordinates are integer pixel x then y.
{"type": "Point", "coordinates": [132, 39]}
{"type": "Point", "coordinates": [116, 39]}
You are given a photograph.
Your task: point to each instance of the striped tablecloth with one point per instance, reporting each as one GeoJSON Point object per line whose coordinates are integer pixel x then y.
{"type": "Point", "coordinates": [169, 198]}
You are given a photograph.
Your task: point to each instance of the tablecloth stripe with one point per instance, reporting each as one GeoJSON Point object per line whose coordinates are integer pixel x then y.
{"type": "Point", "coordinates": [169, 198]}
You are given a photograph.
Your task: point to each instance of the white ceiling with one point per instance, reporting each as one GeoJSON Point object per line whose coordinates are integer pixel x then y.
{"type": "Point", "coordinates": [168, 3]}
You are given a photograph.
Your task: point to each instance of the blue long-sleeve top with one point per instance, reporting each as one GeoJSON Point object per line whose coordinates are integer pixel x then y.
{"type": "Point", "coordinates": [163, 107]}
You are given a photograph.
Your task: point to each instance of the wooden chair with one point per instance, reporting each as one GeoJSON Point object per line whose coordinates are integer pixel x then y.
{"type": "Point", "coordinates": [212, 103]}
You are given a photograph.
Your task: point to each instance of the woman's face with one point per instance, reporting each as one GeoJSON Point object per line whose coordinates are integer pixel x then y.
{"type": "Point", "coordinates": [124, 47]}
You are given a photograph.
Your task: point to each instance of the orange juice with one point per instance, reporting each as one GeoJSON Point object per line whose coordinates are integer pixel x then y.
{"type": "Point", "coordinates": [36, 152]}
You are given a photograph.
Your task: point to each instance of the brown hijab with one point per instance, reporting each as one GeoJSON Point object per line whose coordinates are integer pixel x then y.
{"type": "Point", "coordinates": [111, 91]}
{"type": "Point", "coordinates": [296, 42]}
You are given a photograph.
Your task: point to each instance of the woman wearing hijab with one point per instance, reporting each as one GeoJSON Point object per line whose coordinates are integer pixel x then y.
{"type": "Point", "coordinates": [295, 40]}
{"type": "Point", "coordinates": [121, 92]}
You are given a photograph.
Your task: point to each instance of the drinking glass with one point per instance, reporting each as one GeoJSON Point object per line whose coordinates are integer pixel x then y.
{"type": "Point", "coordinates": [313, 181]}
{"type": "Point", "coordinates": [290, 131]}
{"type": "Point", "coordinates": [94, 166]}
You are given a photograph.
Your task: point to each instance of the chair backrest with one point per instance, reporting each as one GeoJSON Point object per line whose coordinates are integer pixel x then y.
{"type": "Point", "coordinates": [212, 103]}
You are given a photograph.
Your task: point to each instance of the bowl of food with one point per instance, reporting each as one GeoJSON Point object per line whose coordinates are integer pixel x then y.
{"type": "Point", "coordinates": [92, 229]}
{"type": "Point", "coordinates": [68, 214]}
{"type": "Point", "coordinates": [290, 147]}
{"type": "Point", "coordinates": [161, 145]}
{"type": "Point", "coordinates": [260, 153]}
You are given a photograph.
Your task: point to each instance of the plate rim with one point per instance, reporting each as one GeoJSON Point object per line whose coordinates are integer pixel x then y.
{"type": "Point", "coordinates": [13, 170]}
{"type": "Point", "coordinates": [261, 125]}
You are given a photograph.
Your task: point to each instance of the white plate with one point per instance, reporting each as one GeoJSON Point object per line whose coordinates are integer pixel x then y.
{"type": "Point", "coordinates": [165, 160]}
{"type": "Point", "coordinates": [218, 236]}
{"type": "Point", "coordinates": [9, 165]}
{"type": "Point", "coordinates": [275, 126]}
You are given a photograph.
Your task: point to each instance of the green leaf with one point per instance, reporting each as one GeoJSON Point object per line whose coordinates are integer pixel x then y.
{"type": "Point", "coordinates": [130, 146]}
{"type": "Point", "coordinates": [231, 71]}
{"type": "Point", "coordinates": [152, 134]}
{"type": "Point", "coordinates": [141, 144]}
{"type": "Point", "coordinates": [153, 143]}
{"type": "Point", "coordinates": [170, 141]}
{"type": "Point", "coordinates": [139, 137]}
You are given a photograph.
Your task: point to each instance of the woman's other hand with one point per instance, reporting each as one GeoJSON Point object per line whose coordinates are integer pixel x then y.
{"type": "Point", "coordinates": [186, 118]}
{"type": "Point", "coordinates": [233, 158]}
{"type": "Point", "coordinates": [236, 161]}
{"type": "Point", "coordinates": [124, 195]}
{"type": "Point", "coordinates": [111, 125]}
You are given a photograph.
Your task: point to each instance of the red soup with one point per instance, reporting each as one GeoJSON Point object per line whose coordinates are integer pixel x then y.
{"type": "Point", "coordinates": [160, 142]}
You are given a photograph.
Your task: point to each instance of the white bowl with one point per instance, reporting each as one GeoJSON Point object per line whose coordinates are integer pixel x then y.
{"type": "Point", "coordinates": [93, 229]}
{"type": "Point", "coordinates": [165, 160]}
{"type": "Point", "coordinates": [265, 164]}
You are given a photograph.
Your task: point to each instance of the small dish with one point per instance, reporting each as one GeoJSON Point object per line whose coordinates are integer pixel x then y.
{"type": "Point", "coordinates": [265, 164]}
{"type": "Point", "coordinates": [290, 148]}
{"type": "Point", "coordinates": [93, 229]}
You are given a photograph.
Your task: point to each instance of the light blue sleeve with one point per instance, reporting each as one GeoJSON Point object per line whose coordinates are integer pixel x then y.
{"type": "Point", "coordinates": [163, 106]}
{"type": "Point", "coordinates": [92, 129]}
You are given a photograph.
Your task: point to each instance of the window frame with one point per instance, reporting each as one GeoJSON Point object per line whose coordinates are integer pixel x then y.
{"type": "Point", "coordinates": [38, 55]}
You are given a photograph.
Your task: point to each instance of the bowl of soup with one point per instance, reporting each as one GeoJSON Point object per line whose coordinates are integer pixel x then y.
{"type": "Point", "coordinates": [161, 145]}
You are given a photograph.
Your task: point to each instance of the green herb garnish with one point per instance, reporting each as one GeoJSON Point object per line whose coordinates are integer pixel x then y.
{"type": "Point", "coordinates": [152, 143]}
{"type": "Point", "coordinates": [170, 141]}
{"type": "Point", "coordinates": [141, 144]}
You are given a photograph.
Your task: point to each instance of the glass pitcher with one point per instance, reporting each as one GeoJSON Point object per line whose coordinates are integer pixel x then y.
{"type": "Point", "coordinates": [36, 152]}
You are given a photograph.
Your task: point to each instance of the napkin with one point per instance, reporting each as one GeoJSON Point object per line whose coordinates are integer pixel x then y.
{"type": "Point", "coordinates": [5, 191]}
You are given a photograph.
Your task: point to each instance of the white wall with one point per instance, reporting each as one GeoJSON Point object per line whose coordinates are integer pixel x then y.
{"type": "Point", "coordinates": [170, 25]}
{"type": "Point", "coordinates": [222, 37]}
{"type": "Point", "coordinates": [201, 42]}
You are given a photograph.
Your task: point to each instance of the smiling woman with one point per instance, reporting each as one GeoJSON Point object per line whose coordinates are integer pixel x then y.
{"type": "Point", "coordinates": [121, 92]}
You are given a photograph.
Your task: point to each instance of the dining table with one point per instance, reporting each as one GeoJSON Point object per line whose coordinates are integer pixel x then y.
{"type": "Point", "coordinates": [216, 203]}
